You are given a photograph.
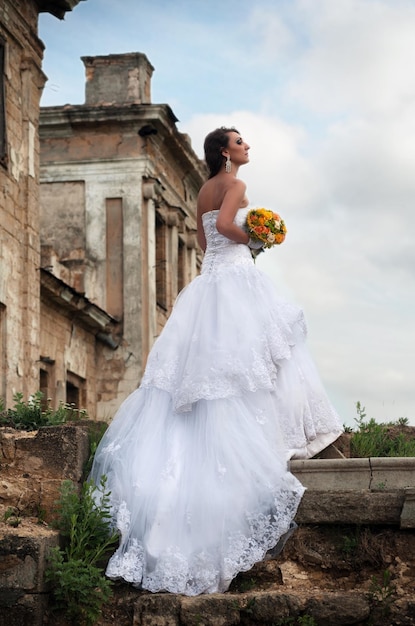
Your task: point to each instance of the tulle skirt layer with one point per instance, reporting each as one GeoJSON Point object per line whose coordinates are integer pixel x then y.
{"type": "Point", "coordinates": [197, 496]}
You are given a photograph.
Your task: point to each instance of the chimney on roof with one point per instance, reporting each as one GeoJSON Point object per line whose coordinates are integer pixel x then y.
{"type": "Point", "coordinates": [118, 79]}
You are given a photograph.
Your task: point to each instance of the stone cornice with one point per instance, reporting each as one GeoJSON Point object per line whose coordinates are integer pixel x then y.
{"type": "Point", "coordinates": [58, 8]}
{"type": "Point", "coordinates": [79, 307]}
{"type": "Point", "coordinates": [60, 120]}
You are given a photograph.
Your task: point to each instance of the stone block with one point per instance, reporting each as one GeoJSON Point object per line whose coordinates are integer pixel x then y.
{"type": "Point", "coordinates": [338, 609]}
{"type": "Point", "coordinates": [8, 438]}
{"type": "Point", "coordinates": [21, 609]}
{"type": "Point", "coordinates": [212, 610]}
{"type": "Point", "coordinates": [332, 474]}
{"type": "Point", "coordinates": [265, 607]}
{"type": "Point", "coordinates": [392, 473]}
{"type": "Point", "coordinates": [408, 509]}
{"type": "Point", "coordinates": [157, 610]}
{"type": "Point", "coordinates": [20, 493]}
{"type": "Point", "coordinates": [54, 452]}
{"type": "Point", "coordinates": [23, 553]}
{"type": "Point", "coordinates": [375, 473]}
{"type": "Point", "coordinates": [351, 507]}
{"type": "Point", "coordinates": [48, 497]}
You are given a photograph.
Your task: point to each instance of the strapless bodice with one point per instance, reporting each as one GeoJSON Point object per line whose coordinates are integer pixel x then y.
{"type": "Point", "coordinates": [221, 251]}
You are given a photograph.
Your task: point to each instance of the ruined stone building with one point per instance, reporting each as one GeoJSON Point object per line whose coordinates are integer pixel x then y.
{"type": "Point", "coordinates": [21, 84]}
{"type": "Point", "coordinates": [118, 187]}
{"type": "Point", "coordinates": [97, 223]}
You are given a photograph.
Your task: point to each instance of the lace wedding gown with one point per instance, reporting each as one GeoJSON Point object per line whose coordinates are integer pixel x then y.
{"type": "Point", "coordinates": [196, 457]}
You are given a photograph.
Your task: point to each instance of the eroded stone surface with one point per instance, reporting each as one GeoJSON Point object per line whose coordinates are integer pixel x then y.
{"type": "Point", "coordinates": [23, 552]}
{"type": "Point", "coordinates": [157, 610]}
{"type": "Point", "coordinates": [338, 609]}
{"type": "Point", "coordinates": [351, 507]}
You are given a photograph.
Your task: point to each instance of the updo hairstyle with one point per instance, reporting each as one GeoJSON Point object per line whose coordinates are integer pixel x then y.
{"type": "Point", "coordinates": [215, 142]}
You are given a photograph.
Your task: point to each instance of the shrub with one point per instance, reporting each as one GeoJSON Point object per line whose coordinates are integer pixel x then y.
{"type": "Point", "coordinates": [75, 571]}
{"type": "Point", "coordinates": [35, 413]}
{"type": "Point", "coordinates": [79, 588]}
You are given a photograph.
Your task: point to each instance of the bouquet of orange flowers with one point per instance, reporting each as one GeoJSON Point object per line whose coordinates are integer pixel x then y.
{"type": "Point", "coordinates": [266, 227]}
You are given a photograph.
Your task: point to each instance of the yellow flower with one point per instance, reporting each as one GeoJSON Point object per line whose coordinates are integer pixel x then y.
{"type": "Point", "coordinates": [266, 226]}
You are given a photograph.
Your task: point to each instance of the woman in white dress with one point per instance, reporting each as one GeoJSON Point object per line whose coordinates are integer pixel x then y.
{"type": "Point", "coordinates": [196, 458]}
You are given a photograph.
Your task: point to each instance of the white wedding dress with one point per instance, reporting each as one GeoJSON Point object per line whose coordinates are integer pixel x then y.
{"type": "Point", "coordinates": [196, 458]}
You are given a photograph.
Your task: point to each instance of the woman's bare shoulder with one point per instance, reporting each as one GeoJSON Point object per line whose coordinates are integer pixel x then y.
{"type": "Point", "coordinates": [214, 191]}
{"type": "Point", "coordinates": [235, 188]}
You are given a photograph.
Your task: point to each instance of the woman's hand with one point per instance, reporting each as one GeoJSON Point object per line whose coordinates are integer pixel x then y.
{"type": "Point", "coordinates": [255, 244]}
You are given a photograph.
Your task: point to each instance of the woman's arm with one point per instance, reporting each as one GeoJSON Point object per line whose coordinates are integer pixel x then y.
{"type": "Point", "coordinates": [232, 201]}
{"type": "Point", "coordinates": [201, 238]}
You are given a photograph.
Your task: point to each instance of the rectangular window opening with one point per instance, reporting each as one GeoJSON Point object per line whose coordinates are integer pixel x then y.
{"type": "Point", "coordinates": [75, 391]}
{"type": "Point", "coordinates": [181, 266]}
{"type": "Point", "coordinates": [44, 387]}
{"type": "Point", "coordinates": [161, 263]}
{"type": "Point", "coordinates": [115, 257]}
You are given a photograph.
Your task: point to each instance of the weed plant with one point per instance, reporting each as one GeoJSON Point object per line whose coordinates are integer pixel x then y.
{"type": "Point", "coordinates": [76, 570]}
{"type": "Point", "coordinates": [382, 592]}
{"type": "Point", "coordinates": [11, 517]}
{"type": "Point", "coordinates": [372, 439]}
{"type": "Point", "coordinates": [36, 413]}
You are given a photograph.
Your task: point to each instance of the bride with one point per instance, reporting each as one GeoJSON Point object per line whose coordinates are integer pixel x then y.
{"type": "Point", "coordinates": [196, 458]}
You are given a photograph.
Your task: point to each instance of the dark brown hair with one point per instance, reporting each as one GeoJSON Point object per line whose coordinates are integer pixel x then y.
{"type": "Point", "coordinates": [215, 142]}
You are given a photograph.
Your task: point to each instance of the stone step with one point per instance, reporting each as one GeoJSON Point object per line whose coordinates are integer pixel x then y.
{"type": "Point", "coordinates": [272, 607]}
{"type": "Point", "coordinates": [51, 452]}
{"type": "Point", "coordinates": [321, 575]}
{"type": "Point", "coordinates": [23, 553]}
{"type": "Point", "coordinates": [34, 464]}
{"type": "Point", "coordinates": [255, 607]}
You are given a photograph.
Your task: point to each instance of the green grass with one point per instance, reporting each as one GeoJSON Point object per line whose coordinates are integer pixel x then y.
{"type": "Point", "coordinates": [373, 439]}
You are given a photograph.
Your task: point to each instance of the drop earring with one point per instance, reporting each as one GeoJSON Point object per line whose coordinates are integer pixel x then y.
{"type": "Point", "coordinates": [228, 165]}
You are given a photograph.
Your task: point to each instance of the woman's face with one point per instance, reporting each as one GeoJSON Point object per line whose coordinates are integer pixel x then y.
{"type": "Point", "coordinates": [237, 149]}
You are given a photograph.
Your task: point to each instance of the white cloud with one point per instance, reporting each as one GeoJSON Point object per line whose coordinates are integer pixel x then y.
{"type": "Point", "coordinates": [360, 54]}
{"type": "Point", "coordinates": [271, 38]}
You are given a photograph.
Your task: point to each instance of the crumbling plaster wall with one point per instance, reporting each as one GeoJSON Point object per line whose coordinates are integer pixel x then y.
{"type": "Point", "coordinates": [102, 180]}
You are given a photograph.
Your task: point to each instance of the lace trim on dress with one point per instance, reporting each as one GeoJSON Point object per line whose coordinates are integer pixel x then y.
{"type": "Point", "coordinates": [230, 378]}
{"type": "Point", "coordinates": [205, 571]}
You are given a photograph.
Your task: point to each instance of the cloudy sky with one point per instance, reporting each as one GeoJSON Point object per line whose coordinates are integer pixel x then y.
{"type": "Point", "coordinates": [324, 93]}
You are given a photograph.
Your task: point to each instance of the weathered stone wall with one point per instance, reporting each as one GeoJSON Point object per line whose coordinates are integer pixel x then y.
{"type": "Point", "coordinates": [22, 81]}
{"type": "Point", "coordinates": [131, 83]}
{"type": "Point", "coordinates": [74, 350]}
{"type": "Point", "coordinates": [62, 220]}
{"type": "Point", "coordinates": [19, 222]}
